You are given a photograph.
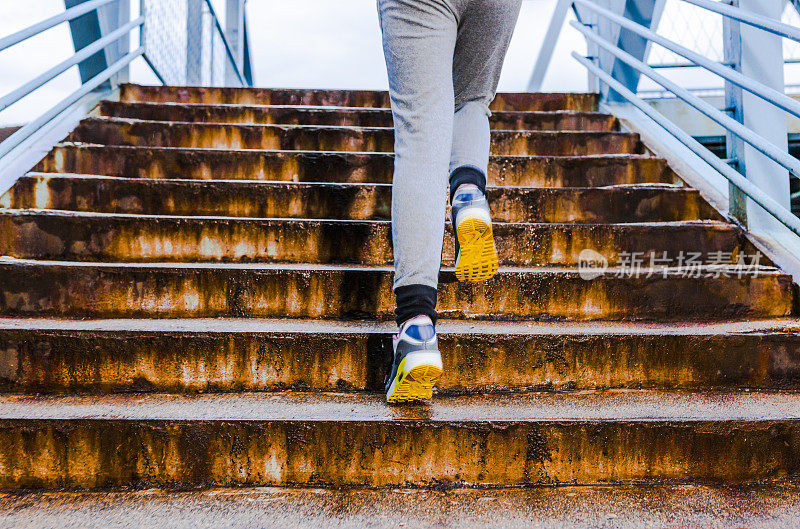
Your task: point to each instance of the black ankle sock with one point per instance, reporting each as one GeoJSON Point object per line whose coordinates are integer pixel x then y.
{"type": "Point", "coordinates": [466, 175]}
{"type": "Point", "coordinates": [413, 300]}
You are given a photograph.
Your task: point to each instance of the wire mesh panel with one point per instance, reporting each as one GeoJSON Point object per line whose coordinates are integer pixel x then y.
{"type": "Point", "coordinates": [183, 42]}
{"type": "Point", "coordinates": [701, 31]}
{"type": "Point", "coordinates": [791, 48]}
{"type": "Point", "coordinates": [693, 27]}
{"type": "Point", "coordinates": [164, 37]}
{"type": "Point", "coordinates": [218, 58]}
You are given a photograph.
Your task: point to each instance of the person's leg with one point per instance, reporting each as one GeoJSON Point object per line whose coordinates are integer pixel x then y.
{"type": "Point", "coordinates": [484, 33]}
{"type": "Point", "coordinates": [418, 41]}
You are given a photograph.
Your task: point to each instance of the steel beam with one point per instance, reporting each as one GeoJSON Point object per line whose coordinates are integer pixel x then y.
{"type": "Point", "coordinates": [646, 13]}
{"type": "Point", "coordinates": [758, 55]}
{"type": "Point", "coordinates": [85, 30]}
{"type": "Point", "coordinates": [548, 45]}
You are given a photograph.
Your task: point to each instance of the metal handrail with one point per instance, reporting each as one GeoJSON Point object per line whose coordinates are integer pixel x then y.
{"type": "Point", "coordinates": [767, 24]}
{"type": "Point", "coordinates": [15, 95]}
{"type": "Point", "coordinates": [18, 143]}
{"type": "Point", "coordinates": [616, 81]}
{"type": "Point", "coordinates": [783, 215]}
{"type": "Point", "coordinates": [758, 142]}
{"type": "Point", "coordinates": [42, 121]}
{"type": "Point", "coordinates": [665, 65]}
{"type": "Point", "coordinates": [26, 131]}
{"type": "Point", "coordinates": [69, 14]}
{"type": "Point", "coordinates": [754, 87]}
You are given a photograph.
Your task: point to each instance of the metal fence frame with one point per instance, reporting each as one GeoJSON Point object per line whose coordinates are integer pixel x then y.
{"type": "Point", "coordinates": [101, 31]}
{"type": "Point", "coordinates": [758, 164]}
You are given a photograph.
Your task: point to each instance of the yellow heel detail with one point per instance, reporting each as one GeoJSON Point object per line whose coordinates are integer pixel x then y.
{"type": "Point", "coordinates": [478, 260]}
{"type": "Point", "coordinates": [416, 385]}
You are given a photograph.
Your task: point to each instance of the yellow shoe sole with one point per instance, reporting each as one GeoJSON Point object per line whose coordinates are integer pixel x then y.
{"type": "Point", "coordinates": [416, 385]}
{"type": "Point", "coordinates": [478, 260]}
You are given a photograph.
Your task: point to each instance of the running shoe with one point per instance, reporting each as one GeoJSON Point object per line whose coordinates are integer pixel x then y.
{"type": "Point", "coordinates": [417, 362]}
{"type": "Point", "coordinates": [476, 256]}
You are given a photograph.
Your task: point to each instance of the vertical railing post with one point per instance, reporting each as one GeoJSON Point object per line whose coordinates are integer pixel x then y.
{"type": "Point", "coordinates": [593, 51]}
{"type": "Point", "coordinates": [758, 55]}
{"type": "Point", "coordinates": [234, 33]}
{"type": "Point", "coordinates": [605, 29]}
{"type": "Point", "coordinates": [113, 16]}
{"type": "Point", "coordinates": [194, 42]}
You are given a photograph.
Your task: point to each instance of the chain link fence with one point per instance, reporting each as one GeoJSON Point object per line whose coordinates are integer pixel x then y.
{"type": "Point", "coordinates": [164, 36]}
{"type": "Point", "coordinates": [700, 30]}
{"type": "Point", "coordinates": [183, 42]}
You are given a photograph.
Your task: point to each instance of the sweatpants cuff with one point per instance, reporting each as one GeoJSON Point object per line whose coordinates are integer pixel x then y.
{"type": "Point", "coordinates": [413, 300]}
{"type": "Point", "coordinates": [466, 175]}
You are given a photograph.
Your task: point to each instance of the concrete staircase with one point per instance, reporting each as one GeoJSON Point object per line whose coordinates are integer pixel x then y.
{"type": "Point", "coordinates": [196, 293]}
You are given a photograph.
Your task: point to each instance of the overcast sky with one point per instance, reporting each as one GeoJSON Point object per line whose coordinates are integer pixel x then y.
{"type": "Point", "coordinates": [306, 43]}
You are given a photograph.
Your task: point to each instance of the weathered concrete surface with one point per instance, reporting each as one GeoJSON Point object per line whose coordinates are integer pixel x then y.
{"type": "Point", "coordinates": [308, 166]}
{"type": "Point", "coordinates": [163, 290]}
{"type": "Point", "coordinates": [49, 234]}
{"type": "Point", "coordinates": [234, 354]}
{"type": "Point", "coordinates": [622, 406]}
{"type": "Point", "coordinates": [669, 505]}
{"type": "Point", "coordinates": [344, 439]}
{"type": "Point", "coordinates": [340, 98]}
{"type": "Point", "coordinates": [316, 200]}
{"type": "Point", "coordinates": [343, 116]}
{"type": "Point", "coordinates": [139, 133]}
{"type": "Point", "coordinates": [491, 423]}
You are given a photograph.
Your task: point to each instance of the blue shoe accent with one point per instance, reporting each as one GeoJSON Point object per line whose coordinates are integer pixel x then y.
{"type": "Point", "coordinates": [417, 363]}
{"type": "Point", "coordinates": [423, 333]}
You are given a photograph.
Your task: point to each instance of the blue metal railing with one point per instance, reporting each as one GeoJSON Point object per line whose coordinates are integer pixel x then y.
{"type": "Point", "coordinates": [758, 142]}
{"type": "Point", "coordinates": [101, 81]}
{"type": "Point", "coordinates": [729, 74]}
{"type": "Point", "coordinates": [69, 14]}
{"type": "Point", "coordinates": [782, 214]}
{"type": "Point", "coordinates": [614, 72]}
{"type": "Point", "coordinates": [26, 131]}
{"type": "Point", "coordinates": [15, 95]}
{"type": "Point", "coordinates": [754, 19]}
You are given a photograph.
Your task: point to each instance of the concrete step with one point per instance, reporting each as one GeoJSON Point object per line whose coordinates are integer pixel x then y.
{"type": "Point", "coordinates": [69, 235]}
{"type": "Point", "coordinates": [184, 290]}
{"type": "Point", "coordinates": [134, 132]}
{"type": "Point", "coordinates": [337, 98]}
{"type": "Point", "coordinates": [640, 506]}
{"type": "Point", "coordinates": [55, 356]}
{"type": "Point", "coordinates": [343, 116]}
{"type": "Point", "coordinates": [323, 439]}
{"type": "Point", "coordinates": [253, 198]}
{"type": "Point", "coordinates": [298, 166]}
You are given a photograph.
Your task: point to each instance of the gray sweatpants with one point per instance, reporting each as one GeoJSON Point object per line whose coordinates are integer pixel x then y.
{"type": "Point", "coordinates": [444, 59]}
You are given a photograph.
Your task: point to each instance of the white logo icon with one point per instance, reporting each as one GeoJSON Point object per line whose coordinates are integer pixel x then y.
{"type": "Point", "coordinates": [591, 264]}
